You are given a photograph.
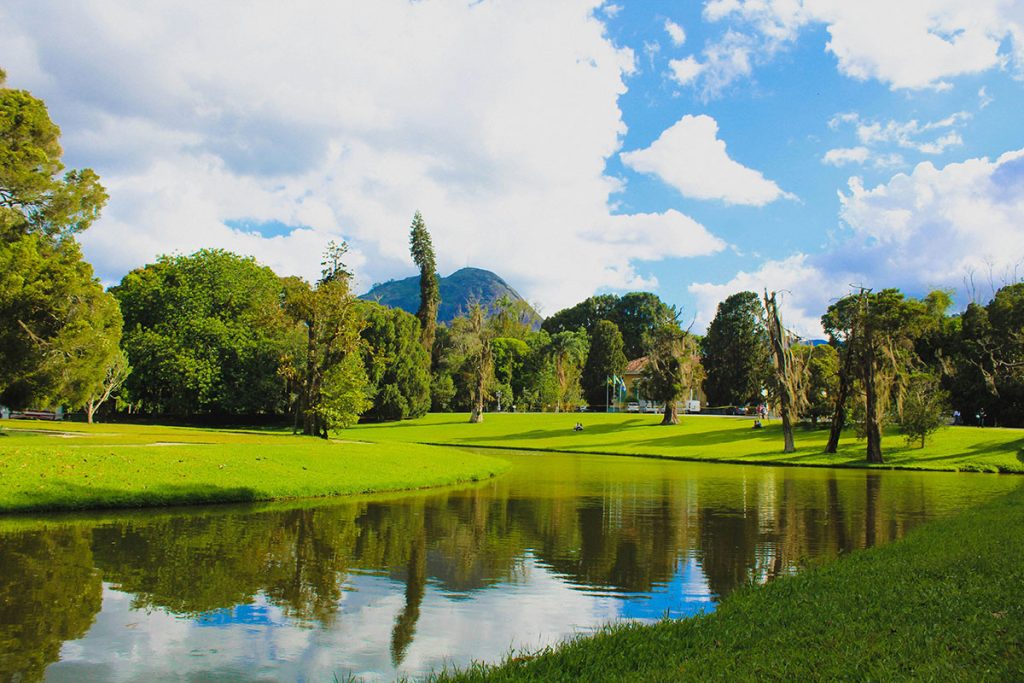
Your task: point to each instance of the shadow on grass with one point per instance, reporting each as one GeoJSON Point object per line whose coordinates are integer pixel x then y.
{"type": "Point", "coordinates": [66, 496]}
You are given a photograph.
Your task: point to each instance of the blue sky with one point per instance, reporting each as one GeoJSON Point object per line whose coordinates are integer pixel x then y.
{"type": "Point", "coordinates": [691, 148]}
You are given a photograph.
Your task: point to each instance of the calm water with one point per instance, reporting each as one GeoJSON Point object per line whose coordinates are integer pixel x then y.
{"type": "Point", "coordinates": [381, 588]}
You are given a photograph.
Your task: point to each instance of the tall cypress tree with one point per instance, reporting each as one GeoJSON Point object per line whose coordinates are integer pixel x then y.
{"type": "Point", "coordinates": [430, 291]}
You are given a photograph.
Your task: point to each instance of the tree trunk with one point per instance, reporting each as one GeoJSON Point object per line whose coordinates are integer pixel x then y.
{"type": "Point", "coordinates": [90, 410]}
{"type": "Point", "coordinates": [872, 418]}
{"type": "Point", "coordinates": [671, 416]}
{"type": "Point", "coordinates": [839, 416]}
{"type": "Point", "coordinates": [787, 428]}
{"type": "Point", "coordinates": [477, 416]}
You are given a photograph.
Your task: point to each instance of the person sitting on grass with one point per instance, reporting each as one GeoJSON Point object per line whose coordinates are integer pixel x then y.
{"type": "Point", "coordinates": [757, 424]}
{"type": "Point", "coordinates": [578, 427]}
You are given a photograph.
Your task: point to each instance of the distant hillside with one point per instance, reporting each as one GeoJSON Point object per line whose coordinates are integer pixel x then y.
{"type": "Point", "coordinates": [458, 290]}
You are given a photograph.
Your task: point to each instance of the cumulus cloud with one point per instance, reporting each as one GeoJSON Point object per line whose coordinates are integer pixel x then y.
{"type": "Point", "coordinates": [690, 157]}
{"type": "Point", "coordinates": [934, 227]}
{"type": "Point", "coordinates": [675, 32]}
{"type": "Point", "coordinates": [686, 70]}
{"type": "Point", "coordinates": [871, 39]}
{"type": "Point", "coordinates": [337, 120]}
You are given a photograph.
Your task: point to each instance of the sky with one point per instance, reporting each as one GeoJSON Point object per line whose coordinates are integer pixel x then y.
{"type": "Point", "coordinates": [574, 147]}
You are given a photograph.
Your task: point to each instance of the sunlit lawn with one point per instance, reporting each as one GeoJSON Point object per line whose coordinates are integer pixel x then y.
{"type": "Point", "coordinates": [703, 437]}
{"type": "Point", "coordinates": [75, 466]}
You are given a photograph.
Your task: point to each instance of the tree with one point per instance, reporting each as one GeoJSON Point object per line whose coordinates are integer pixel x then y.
{"type": "Point", "coordinates": [788, 375]}
{"type": "Point", "coordinates": [567, 352]}
{"type": "Point", "coordinates": [205, 334]}
{"type": "Point", "coordinates": [735, 352]}
{"type": "Point", "coordinates": [925, 407]}
{"type": "Point", "coordinates": [821, 365]}
{"type": "Point", "coordinates": [879, 332]}
{"type": "Point", "coordinates": [509, 356]}
{"type": "Point", "coordinates": [605, 360]}
{"type": "Point", "coordinates": [474, 343]}
{"type": "Point", "coordinates": [673, 367]}
{"type": "Point", "coordinates": [113, 379]}
{"type": "Point", "coordinates": [513, 319]}
{"type": "Point", "coordinates": [430, 289]}
{"type": "Point", "coordinates": [635, 314]}
{"type": "Point", "coordinates": [58, 328]}
{"type": "Point", "coordinates": [330, 376]}
{"type": "Point", "coordinates": [397, 365]}
{"type": "Point", "coordinates": [988, 360]}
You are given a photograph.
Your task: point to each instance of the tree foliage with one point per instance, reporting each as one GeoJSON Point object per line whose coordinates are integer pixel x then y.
{"type": "Point", "coordinates": [58, 329]}
{"type": "Point", "coordinates": [925, 407]}
{"type": "Point", "coordinates": [329, 375]}
{"type": "Point", "coordinates": [422, 250]}
{"type": "Point", "coordinates": [673, 367]}
{"type": "Point", "coordinates": [205, 333]}
{"type": "Point", "coordinates": [876, 333]}
{"type": "Point", "coordinates": [605, 360]}
{"type": "Point", "coordinates": [397, 365]}
{"type": "Point", "coordinates": [734, 352]}
{"type": "Point", "coordinates": [635, 314]}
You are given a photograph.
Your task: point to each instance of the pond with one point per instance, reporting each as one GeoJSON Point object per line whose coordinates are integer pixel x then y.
{"type": "Point", "coordinates": [380, 588]}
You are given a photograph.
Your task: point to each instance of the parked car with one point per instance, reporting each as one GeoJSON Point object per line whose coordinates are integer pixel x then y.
{"type": "Point", "coordinates": [633, 407]}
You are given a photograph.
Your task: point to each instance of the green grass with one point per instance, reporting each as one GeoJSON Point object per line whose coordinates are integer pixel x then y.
{"type": "Point", "coordinates": [67, 466]}
{"type": "Point", "coordinates": [943, 604]}
{"type": "Point", "coordinates": [705, 438]}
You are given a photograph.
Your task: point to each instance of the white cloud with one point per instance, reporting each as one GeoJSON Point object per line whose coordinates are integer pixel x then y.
{"type": "Point", "coordinates": [690, 157]}
{"type": "Point", "coordinates": [846, 155]}
{"type": "Point", "coordinates": [907, 135]}
{"type": "Point", "coordinates": [912, 44]}
{"type": "Point", "coordinates": [684, 71]}
{"type": "Point", "coordinates": [495, 119]}
{"type": "Point", "coordinates": [803, 293]}
{"type": "Point", "coordinates": [931, 228]}
{"type": "Point", "coordinates": [984, 99]}
{"type": "Point", "coordinates": [925, 138]}
{"type": "Point", "coordinates": [675, 32]}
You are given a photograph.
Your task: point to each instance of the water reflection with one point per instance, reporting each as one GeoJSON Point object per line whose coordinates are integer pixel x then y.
{"type": "Point", "coordinates": [395, 587]}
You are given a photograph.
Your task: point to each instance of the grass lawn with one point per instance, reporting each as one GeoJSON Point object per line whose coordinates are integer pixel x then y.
{"type": "Point", "coordinates": [68, 466]}
{"type": "Point", "coordinates": [925, 608]}
{"type": "Point", "coordinates": [703, 437]}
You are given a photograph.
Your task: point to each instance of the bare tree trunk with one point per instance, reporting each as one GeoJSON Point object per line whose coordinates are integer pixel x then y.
{"type": "Point", "coordinates": [477, 416]}
{"type": "Point", "coordinates": [90, 410]}
{"type": "Point", "coordinates": [783, 370]}
{"type": "Point", "coordinates": [671, 416]}
{"type": "Point", "coordinates": [839, 416]}
{"type": "Point", "coordinates": [874, 430]}
{"type": "Point", "coordinates": [872, 418]}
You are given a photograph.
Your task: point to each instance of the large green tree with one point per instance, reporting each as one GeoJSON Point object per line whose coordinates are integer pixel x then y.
{"type": "Point", "coordinates": [430, 289]}
{"type": "Point", "coordinates": [397, 365]}
{"type": "Point", "coordinates": [604, 361]}
{"type": "Point", "coordinates": [205, 333]}
{"type": "Point", "coordinates": [734, 352]}
{"type": "Point", "coordinates": [987, 361]}
{"type": "Point", "coordinates": [329, 375]}
{"type": "Point", "coordinates": [876, 332]}
{"type": "Point", "coordinates": [673, 367]}
{"type": "Point", "coordinates": [58, 329]}
{"type": "Point", "coordinates": [635, 314]}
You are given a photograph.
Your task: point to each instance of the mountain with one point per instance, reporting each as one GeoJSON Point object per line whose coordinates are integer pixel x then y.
{"type": "Point", "coordinates": [458, 290]}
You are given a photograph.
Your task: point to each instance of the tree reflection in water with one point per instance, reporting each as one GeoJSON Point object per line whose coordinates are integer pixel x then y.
{"type": "Point", "coordinates": [603, 525]}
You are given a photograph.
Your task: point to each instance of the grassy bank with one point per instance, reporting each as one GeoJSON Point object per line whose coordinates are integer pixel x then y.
{"type": "Point", "coordinates": [701, 437]}
{"type": "Point", "coordinates": [47, 466]}
{"type": "Point", "coordinates": [924, 608]}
